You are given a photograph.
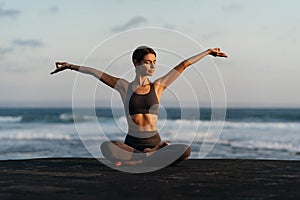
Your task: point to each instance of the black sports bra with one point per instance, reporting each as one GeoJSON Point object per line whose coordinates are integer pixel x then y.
{"type": "Point", "coordinates": [141, 103]}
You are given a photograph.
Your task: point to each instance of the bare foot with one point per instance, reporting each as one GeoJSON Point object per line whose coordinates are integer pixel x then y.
{"type": "Point", "coordinates": [150, 151]}
{"type": "Point", "coordinates": [161, 145]}
{"type": "Point", "coordinates": [118, 164]}
{"type": "Point", "coordinates": [133, 162]}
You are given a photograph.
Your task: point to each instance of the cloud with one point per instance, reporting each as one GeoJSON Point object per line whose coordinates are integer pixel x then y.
{"type": "Point", "coordinates": [211, 35]}
{"type": "Point", "coordinates": [53, 9]}
{"type": "Point", "coordinates": [231, 7]}
{"type": "Point", "coordinates": [168, 26]}
{"type": "Point", "coordinates": [27, 43]}
{"type": "Point", "coordinates": [5, 50]}
{"type": "Point", "coordinates": [8, 12]}
{"type": "Point", "coordinates": [15, 44]}
{"type": "Point", "coordinates": [289, 35]}
{"type": "Point", "coordinates": [134, 22]}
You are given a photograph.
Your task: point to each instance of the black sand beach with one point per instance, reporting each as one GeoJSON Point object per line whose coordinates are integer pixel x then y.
{"type": "Point", "coordinates": [76, 178]}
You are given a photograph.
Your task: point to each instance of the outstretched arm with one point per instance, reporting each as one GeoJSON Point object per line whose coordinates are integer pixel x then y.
{"type": "Point", "coordinates": [109, 80]}
{"type": "Point", "coordinates": [172, 75]}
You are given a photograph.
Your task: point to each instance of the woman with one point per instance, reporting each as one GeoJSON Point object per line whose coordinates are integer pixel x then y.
{"type": "Point", "coordinates": [141, 99]}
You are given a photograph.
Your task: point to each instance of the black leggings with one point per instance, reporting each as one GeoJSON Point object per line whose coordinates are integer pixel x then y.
{"type": "Point", "coordinates": [134, 145]}
{"type": "Point", "coordinates": [169, 155]}
{"type": "Point", "coordinates": [141, 140]}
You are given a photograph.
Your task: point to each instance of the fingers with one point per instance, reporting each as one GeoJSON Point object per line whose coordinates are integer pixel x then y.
{"type": "Point", "coordinates": [59, 67]}
{"type": "Point", "coordinates": [215, 49]}
{"type": "Point", "coordinates": [60, 64]}
{"type": "Point", "coordinates": [221, 54]}
{"type": "Point", "coordinates": [217, 53]}
{"type": "Point", "coordinates": [148, 150]}
{"type": "Point", "coordinates": [54, 72]}
{"type": "Point", "coordinates": [57, 64]}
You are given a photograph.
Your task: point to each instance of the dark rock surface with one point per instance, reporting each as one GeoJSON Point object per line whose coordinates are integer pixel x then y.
{"type": "Point", "coordinates": [82, 178]}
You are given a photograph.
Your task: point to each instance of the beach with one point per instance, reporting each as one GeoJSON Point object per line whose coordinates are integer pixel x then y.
{"type": "Point", "coordinates": [87, 178]}
{"type": "Point", "coordinates": [84, 81]}
{"type": "Point", "coordinates": [50, 154]}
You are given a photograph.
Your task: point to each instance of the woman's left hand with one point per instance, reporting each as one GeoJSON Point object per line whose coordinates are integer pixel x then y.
{"type": "Point", "coordinates": [217, 53]}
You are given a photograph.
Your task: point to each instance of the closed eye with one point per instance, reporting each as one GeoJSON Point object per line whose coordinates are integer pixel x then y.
{"type": "Point", "coordinates": [150, 62]}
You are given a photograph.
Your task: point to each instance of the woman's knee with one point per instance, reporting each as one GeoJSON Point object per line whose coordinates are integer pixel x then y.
{"type": "Point", "coordinates": [187, 152]}
{"type": "Point", "coordinates": [183, 149]}
{"type": "Point", "coordinates": [109, 144]}
{"type": "Point", "coordinates": [113, 150]}
{"type": "Point", "coordinates": [107, 148]}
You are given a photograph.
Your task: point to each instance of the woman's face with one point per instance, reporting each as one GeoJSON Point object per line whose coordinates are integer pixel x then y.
{"type": "Point", "coordinates": [147, 66]}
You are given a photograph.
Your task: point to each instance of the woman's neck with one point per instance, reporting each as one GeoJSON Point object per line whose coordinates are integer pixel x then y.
{"type": "Point", "coordinates": [141, 80]}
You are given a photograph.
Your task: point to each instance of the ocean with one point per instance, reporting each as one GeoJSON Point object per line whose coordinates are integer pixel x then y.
{"type": "Point", "coordinates": [27, 133]}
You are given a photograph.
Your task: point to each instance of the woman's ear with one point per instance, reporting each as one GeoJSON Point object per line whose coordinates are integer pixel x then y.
{"type": "Point", "coordinates": [135, 62]}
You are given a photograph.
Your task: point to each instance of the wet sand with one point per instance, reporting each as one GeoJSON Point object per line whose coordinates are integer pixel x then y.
{"type": "Point", "coordinates": [82, 178]}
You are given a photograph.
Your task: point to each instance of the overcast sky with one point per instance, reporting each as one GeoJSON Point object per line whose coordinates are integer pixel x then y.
{"type": "Point", "coordinates": [260, 38]}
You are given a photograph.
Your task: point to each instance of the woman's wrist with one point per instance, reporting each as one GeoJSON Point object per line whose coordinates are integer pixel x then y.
{"type": "Point", "coordinates": [73, 67]}
{"type": "Point", "coordinates": [208, 51]}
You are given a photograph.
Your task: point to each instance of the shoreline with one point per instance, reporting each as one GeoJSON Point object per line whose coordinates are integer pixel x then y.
{"type": "Point", "coordinates": [87, 178]}
{"type": "Point", "coordinates": [190, 158]}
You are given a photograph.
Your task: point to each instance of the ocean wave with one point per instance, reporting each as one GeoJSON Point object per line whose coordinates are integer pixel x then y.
{"type": "Point", "coordinates": [165, 124]}
{"type": "Point", "coordinates": [67, 117]}
{"type": "Point", "coordinates": [194, 124]}
{"type": "Point", "coordinates": [265, 145]}
{"type": "Point", "coordinates": [58, 118]}
{"type": "Point", "coordinates": [35, 136]}
{"type": "Point", "coordinates": [263, 125]}
{"type": "Point", "coordinates": [232, 125]}
{"type": "Point", "coordinates": [10, 119]}
{"type": "Point", "coordinates": [239, 125]}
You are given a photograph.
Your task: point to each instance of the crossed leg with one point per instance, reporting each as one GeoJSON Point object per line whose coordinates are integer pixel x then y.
{"type": "Point", "coordinates": [121, 153]}
{"type": "Point", "coordinates": [169, 155]}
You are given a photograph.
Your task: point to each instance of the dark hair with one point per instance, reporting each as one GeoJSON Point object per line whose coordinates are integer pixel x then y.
{"type": "Point", "coordinates": [140, 52]}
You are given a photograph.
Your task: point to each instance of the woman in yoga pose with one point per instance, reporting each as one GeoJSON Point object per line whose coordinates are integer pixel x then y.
{"type": "Point", "coordinates": [141, 99]}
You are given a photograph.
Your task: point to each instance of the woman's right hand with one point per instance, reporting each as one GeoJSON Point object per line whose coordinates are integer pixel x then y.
{"type": "Point", "coordinates": [61, 66]}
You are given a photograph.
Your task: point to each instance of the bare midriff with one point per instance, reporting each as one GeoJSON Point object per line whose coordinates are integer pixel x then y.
{"type": "Point", "coordinates": [142, 122]}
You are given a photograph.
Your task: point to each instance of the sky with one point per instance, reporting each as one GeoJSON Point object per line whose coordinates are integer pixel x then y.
{"type": "Point", "coordinates": [260, 38]}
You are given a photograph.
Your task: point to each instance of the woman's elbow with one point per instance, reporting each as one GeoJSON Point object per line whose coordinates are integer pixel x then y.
{"type": "Point", "coordinates": [185, 63]}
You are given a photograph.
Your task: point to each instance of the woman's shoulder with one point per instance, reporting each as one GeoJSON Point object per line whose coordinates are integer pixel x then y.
{"type": "Point", "coordinates": [158, 84]}
{"type": "Point", "coordinates": [122, 83]}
